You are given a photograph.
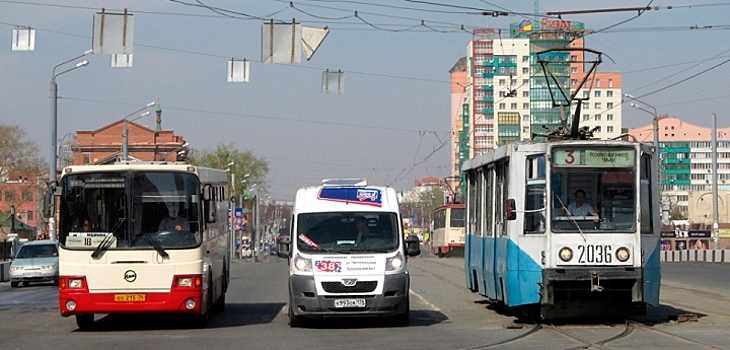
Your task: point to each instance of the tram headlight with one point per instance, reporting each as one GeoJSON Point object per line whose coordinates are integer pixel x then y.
{"type": "Point", "coordinates": [302, 264]}
{"type": "Point", "coordinates": [623, 254]}
{"type": "Point", "coordinates": [566, 254]}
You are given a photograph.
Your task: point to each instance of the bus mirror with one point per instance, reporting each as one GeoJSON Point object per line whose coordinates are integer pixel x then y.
{"type": "Point", "coordinates": [209, 211]}
{"type": "Point", "coordinates": [413, 245]}
{"type": "Point", "coordinates": [283, 245]}
{"type": "Point", "coordinates": [509, 209]}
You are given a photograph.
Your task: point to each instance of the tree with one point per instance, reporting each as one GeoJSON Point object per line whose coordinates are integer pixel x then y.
{"type": "Point", "coordinates": [676, 213]}
{"type": "Point", "coordinates": [19, 159]}
{"type": "Point", "coordinates": [254, 169]}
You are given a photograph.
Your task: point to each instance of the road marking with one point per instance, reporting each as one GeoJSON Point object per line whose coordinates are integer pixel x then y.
{"type": "Point", "coordinates": [432, 306]}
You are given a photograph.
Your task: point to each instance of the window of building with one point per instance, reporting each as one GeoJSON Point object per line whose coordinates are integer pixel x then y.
{"type": "Point", "coordinates": [598, 129]}
{"type": "Point", "coordinates": [502, 82]}
{"type": "Point", "coordinates": [9, 196]}
{"type": "Point", "coordinates": [598, 83]}
{"type": "Point", "coordinates": [597, 93]}
{"type": "Point", "coordinates": [525, 129]}
{"type": "Point", "coordinates": [525, 117]}
{"type": "Point", "coordinates": [526, 82]}
{"type": "Point", "coordinates": [597, 105]}
{"type": "Point", "coordinates": [525, 70]}
{"type": "Point", "coordinates": [573, 57]}
{"type": "Point", "coordinates": [163, 156]}
{"type": "Point", "coordinates": [526, 93]}
{"type": "Point", "coordinates": [502, 105]}
{"type": "Point", "coordinates": [609, 116]}
{"type": "Point", "coordinates": [610, 83]}
{"type": "Point", "coordinates": [609, 105]}
{"type": "Point", "coordinates": [585, 94]}
{"type": "Point", "coordinates": [586, 116]}
{"type": "Point", "coordinates": [87, 158]}
{"type": "Point", "coordinates": [525, 58]}
{"type": "Point", "coordinates": [574, 69]}
{"type": "Point", "coordinates": [597, 117]}
{"type": "Point", "coordinates": [609, 129]}
{"type": "Point", "coordinates": [609, 93]}
{"type": "Point", "coordinates": [27, 196]}
{"type": "Point", "coordinates": [585, 105]}
{"type": "Point", "coordinates": [526, 105]}
{"type": "Point", "coordinates": [502, 93]}
{"type": "Point", "coordinates": [29, 215]}
{"type": "Point", "coordinates": [513, 105]}
{"type": "Point", "coordinates": [573, 82]}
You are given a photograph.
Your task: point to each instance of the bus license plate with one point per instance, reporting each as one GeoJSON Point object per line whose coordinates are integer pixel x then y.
{"type": "Point", "coordinates": [350, 303]}
{"type": "Point", "coordinates": [129, 297]}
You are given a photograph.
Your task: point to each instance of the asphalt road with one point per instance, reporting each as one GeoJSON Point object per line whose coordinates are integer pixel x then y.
{"type": "Point", "coordinates": [445, 315]}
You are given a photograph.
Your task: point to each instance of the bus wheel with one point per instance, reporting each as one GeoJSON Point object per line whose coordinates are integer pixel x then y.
{"type": "Point", "coordinates": [220, 304]}
{"type": "Point", "coordinates": [85, 321]}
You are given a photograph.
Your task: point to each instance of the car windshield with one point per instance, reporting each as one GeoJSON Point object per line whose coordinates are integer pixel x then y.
{"type": "Point", "coordinates": [147, 210]}
{"type": "Point", "coordinates": [347, 232]}
{"type": "Point", "coordinates": [37, 251]}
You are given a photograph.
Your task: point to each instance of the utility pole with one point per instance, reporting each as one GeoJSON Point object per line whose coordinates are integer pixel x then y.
{"type": "Point", "coordinates": [715, 214]}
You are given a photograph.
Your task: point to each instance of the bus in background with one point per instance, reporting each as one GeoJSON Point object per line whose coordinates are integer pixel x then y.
{"type": "Point", "coordinates": [448, 233]}
{"type": "Point", "coordinates": [155, 240]}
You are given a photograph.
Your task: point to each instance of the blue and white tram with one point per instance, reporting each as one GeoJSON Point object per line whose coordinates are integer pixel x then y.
{"type": "Point", "coordinates": [526, 250]}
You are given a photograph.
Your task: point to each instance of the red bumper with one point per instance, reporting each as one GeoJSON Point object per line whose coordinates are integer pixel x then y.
{"type": "Point", "coordinates": [103, 303]}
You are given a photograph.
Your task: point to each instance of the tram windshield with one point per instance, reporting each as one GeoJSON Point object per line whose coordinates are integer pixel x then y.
{"type": "Point", "coordinates": [143, 210]}
{"type": "Point", "coordinates": [347, 232]}
{"type": "Point", "coordinates": [594, 190]}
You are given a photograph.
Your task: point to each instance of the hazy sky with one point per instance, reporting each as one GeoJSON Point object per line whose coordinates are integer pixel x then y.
{"type": "Point", "coordinates": [390, 126]}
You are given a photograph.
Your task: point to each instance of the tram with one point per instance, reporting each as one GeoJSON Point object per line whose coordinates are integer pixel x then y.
{"type": "Point", "coordinates": [447, 237]}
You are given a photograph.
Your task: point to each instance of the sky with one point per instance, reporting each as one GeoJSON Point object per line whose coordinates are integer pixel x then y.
{"type": "Point", "coordinates": [391, 124]}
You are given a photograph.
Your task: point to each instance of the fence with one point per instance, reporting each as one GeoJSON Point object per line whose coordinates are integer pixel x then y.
{"type": "Point", "coordinates": [702, 255]}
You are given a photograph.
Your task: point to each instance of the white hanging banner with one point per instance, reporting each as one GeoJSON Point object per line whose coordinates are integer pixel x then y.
{"type": "Point", "coordinates": [281, 42]}
{"type": "Point", "coordinates": [121, 61]}
{"type": "Point", "coordinates": [333, 82]}
{"type": "Point", "coordinates": [311, 39]}
{"type": "Point", "coordinates": [113, 33]}
{"type": "Point", "coordinates": [23, 39]}
{"type": "Point", "coordinates": [238, 71]}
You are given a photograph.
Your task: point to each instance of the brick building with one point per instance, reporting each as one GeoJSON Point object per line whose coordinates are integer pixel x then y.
{"type": "Point", "coordinates": [105, 145]}
{"type": "Point", "coordinates": [20, 190]}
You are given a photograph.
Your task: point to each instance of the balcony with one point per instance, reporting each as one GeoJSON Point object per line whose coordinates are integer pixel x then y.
{"type": "Point", "coordinates": [488, 111]}
{"type": "Point", "coordinates": [488, 99]}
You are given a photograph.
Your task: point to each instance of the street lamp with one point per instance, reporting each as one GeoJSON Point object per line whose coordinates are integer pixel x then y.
{"type": "Point", "coordinates": [12, 219]}
{"type": "Point", "coordinates": [655, 120]}
{"type": "Point", "coordinates": [54, 114]}
{"type": "Point", "coordinates": [125, 136]}
{"type": "Point", "coordinates": [231, 169]}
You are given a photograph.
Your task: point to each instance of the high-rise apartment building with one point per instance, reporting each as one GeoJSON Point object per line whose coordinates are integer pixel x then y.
{"type": "Point", "coordinates": [505, 96]}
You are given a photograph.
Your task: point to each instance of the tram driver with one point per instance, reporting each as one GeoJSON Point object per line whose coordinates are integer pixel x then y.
{"type": "Point", "coordinates": [580, 207]}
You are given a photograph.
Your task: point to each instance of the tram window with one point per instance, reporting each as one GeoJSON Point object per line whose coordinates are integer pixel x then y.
{"type": "Point", "coordinates": [535, 208]}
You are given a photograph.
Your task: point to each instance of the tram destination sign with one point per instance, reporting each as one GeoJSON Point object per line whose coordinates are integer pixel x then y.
{"type": "Point", "coordinates": [594, 157]}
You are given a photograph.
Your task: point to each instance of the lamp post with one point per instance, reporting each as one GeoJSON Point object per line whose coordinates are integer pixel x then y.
{"type": "Point", "coordinates": [12, 219]}
{"type": "Point", "coordinates": [52, 159]}
{"type": "Point", "coordinates": [125, 135]}
{"type": "Point", "coordinates": [232, 169]}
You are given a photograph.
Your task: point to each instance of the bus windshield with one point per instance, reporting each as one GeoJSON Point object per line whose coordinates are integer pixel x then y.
{"type": "Point", "coordinates": [594, 189]}
{"type": "Point", "coordinates": [142, 210]}
{"type": "Point", "coordinates": [347, 232]}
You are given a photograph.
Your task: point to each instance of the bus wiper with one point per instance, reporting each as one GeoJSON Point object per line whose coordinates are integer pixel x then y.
{"type": "Point", "coordinates": [156, 245]}
{"type": "Point", "coordinates": [106, 242]}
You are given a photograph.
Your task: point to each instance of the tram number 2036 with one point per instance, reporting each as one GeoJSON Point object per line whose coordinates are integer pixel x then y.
{"type": "Point", "coordinates": [595, 254]}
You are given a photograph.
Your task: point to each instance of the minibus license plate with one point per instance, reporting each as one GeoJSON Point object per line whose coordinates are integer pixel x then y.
{"type": "Point", "coordinates": [350, 303]}
{"type": "Point", "coordinates": [129, 297]}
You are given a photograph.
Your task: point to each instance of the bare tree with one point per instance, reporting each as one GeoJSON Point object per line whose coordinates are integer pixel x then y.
{"type": "Point", "coordinates": [20, 162]}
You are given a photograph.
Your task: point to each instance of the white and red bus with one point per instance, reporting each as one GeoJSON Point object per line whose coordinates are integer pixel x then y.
{"type": "Point", "coordinates": [448, 230]}
{"type": "Point", "coordinates": [126, 260]}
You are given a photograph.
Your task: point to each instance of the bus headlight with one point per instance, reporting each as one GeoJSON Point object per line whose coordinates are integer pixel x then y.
{"type": "Point", "coordinates": [623, 254]}
{"type": "Point", "coordinates": [565, 254]}
{"type": "Point", "coordinates": [394, 263]}
{"type": "Point", "coordinates": [302, 264]}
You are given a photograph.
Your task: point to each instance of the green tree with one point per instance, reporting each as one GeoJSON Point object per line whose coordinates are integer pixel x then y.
{"type": "Point", "coordinates": [676, 213]}
{"type": "Point", "coordinates": [248, 167]}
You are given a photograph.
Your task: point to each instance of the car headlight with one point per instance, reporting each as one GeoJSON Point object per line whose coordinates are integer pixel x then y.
{"type": "Point", "coordinates": [394, 263]}
{"type": "Point", "coordinates": [623, 254]}
{"type": "Point", "coordinates": [49, 267]}
{"type": "Point", "coordinates": [16, 268]}
{"type": "Point", "coordinates": [566, 254]}
{"type": "Point", "coordinates": [302, 264]}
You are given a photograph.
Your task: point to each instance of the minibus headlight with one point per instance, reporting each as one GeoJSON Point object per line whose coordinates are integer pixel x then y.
{"type": "Point", "coordinates": [566, 254]}
{"type": "Point", "coordinates": [623, 254]}
{"type": "Point", "coordinates": [394, 263]}
{"type": "Point", "coordinates": [302, 264]}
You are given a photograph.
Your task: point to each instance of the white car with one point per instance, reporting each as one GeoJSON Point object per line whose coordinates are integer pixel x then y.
{"type": "Point", "coordinates": [36, 261]}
